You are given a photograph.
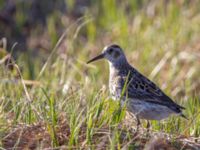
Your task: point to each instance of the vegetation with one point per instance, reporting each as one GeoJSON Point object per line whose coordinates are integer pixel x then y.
{"type": "Point", "coordinates": [50, 97]}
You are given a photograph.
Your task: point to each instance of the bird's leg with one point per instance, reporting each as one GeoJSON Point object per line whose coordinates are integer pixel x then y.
{"type": "Point", "coordinates": [138, 122]}
{"type": "Point", "coordinates": [148, 125]}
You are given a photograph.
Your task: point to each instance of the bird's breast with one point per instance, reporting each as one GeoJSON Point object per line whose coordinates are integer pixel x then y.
{"type": "Point", "coordinates": [115, 85]}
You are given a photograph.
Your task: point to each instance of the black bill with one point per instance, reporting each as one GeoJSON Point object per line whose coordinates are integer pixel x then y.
{"type": "Point", "coordinates": [96, 58]}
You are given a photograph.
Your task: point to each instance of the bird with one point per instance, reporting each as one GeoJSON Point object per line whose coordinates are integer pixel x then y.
{"type": "Point", "coordinates": [144, 99]}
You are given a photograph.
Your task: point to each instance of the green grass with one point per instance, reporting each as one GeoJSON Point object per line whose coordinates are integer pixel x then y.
{"type": "Point", "coordinates": [71, 101]}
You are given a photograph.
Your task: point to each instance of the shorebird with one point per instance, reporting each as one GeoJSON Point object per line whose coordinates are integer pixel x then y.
{"type": "Point", "coordinates": [143, 98]}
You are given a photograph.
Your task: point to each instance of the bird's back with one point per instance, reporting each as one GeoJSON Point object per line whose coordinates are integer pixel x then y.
{"type": "Point", "coordinates": [138, 87]}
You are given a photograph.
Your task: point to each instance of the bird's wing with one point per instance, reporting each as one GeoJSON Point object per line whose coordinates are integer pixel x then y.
{"type": "Point", "coordinates": [141, 88]}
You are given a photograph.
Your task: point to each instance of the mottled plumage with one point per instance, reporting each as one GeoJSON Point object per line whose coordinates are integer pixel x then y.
{"type": "Point", "coordinates": [144, 98]}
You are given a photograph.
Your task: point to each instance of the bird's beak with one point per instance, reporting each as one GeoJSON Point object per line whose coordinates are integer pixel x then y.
{"type": "Point", "coordinates": [96, 58]}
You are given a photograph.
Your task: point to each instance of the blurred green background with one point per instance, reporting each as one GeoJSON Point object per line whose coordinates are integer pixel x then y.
{"type": "Point", "coordinates": [154, 33]}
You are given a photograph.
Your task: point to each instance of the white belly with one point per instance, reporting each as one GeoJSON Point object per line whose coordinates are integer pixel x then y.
{"type": "Point", "coordinates": [149, 111]}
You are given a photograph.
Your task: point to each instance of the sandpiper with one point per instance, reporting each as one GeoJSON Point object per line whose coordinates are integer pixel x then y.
{"type": "Point", "coordinates": [143, 97]}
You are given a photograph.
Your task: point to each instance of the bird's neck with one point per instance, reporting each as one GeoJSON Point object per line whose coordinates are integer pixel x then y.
{"type": "Point", "coordinates": [115, 68]}
{"type": "Point", "coordinates": [119, 65]}
{"type": "Point", "coordinates": [112, 70]}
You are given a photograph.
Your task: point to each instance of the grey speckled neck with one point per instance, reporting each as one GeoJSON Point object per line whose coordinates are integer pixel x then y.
{"type": "Point", "coordinates": [120, 64]}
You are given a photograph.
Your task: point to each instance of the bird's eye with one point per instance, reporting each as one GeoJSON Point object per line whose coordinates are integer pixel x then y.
{"type": "Point", "coordinates": [110, 51]}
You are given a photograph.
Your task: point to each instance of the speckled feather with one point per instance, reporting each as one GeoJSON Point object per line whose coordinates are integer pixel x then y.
{"type": "Point", "coordinates": [139, 87]}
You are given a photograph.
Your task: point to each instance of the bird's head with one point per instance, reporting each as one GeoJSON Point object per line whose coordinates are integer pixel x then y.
{"type": "Point", "coordinates": [113, 53]}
